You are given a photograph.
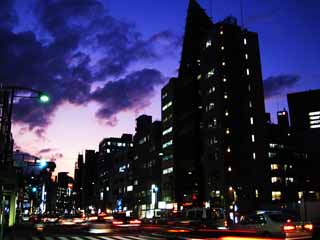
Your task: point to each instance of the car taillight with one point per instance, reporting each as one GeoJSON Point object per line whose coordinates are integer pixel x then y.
{"type": "Point", "coordinates": [117, 222]}
{"type": "Point", "coordinates": [289, 227]}
{"type": "Point", "coordinates": [135, 221]}
{"type": "Point", "coordinates": [308, 226]}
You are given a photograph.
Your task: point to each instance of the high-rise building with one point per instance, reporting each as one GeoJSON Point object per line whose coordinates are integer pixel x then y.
{"type": "Point", "coordinates": [218, 117]}
{"type": "Point", "coordinates": [146, 166]}
{"type": "Point", "coordinates": [106, 168]}
{"type": "Point", "coordinates": [304, 109]}
{"type": "Point", "coordinates": [64, 193]}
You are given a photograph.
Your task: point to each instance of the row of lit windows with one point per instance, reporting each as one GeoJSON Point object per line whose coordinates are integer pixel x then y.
{"type": "Point", "coordinates": [166, 131]}
{"type": "Point", "coordinates": [167, 170]}
{"type": "Point", "coordinates": [167, 144]}
{"type": "Point", "coordinates": [167, 118]}
{"type": "Point", "coordinates": [166, 106]}
{"type": "Point", "coordinates": [314, 118]}
{"type": "Point", "coordinates": [279, 179]}
{"type": "Point", "coordinates": [167, 157]}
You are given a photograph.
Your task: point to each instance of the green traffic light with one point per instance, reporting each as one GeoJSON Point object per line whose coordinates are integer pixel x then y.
{"type": "Point", "coordinates": [44, 98]}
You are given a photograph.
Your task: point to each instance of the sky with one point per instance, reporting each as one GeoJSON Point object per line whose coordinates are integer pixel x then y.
{"type": "Point", "coordinates": [103, 63]}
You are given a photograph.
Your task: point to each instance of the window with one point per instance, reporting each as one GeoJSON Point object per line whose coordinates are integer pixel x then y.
{"type": "Point", "coordinates": [167, 144]}
{"type": "Point", "coordinates": [221, 32]}
{"type": "Point", "coordinates": [274, 166]}
{"type": "Point", "coordinates": [276, 195]}
{"type": "Point", "coordinates": [210, 73]}
{"type": "Point", "coordinates": [226, 113]}
{"type": "Point", "coordinates": [229, 169]}
{"type": "Point", "coordinates": [211, 89]}
{"type": "Point", "coordinates": [250, 104]}
{"type": "Point", "coordinates": [222, 47]}
{"type": "Point", "coordinates": [227, 131]}
{"type": "Point", "coordinates": [272, 154]}
{"type": "Point", "coordinates": [289, 179]}
{"type": "Point", "coordinates": [248, 71]}
{"type": "Point", "coordinates": [166, 106]}
{"type": "Point", "coordinates": [314, 118]}
{"type": "Point", "coordinates": [224, 79]}
{"type": "Point", "coordinates": [167, 157]}
{"type": "Point", "coordinates": [129, 188]}
{"type": "Point", "coordinates": [211, 106]}
{"type": "Point", "coordinates": [166, 131]}
{"type": "Point", "coordinates": [208, 43]}
{"type": "Point", "coordinates": [275, 179]}
{"type": "Point", "coordinates": [225, 95]}
{"type": "Point", "coordinates": [228, 149]}
{"type": "Point", "coordinates": [246, 56]}
{"type": "Point", "coordinates": [252, 138]}
{"type": "Point", "coordinates": [257, 193]}
{"type": "Point", "coordinates": [167, 170]}
{"type": "Point", "coordinates": [223, 63]}
{"type": "Point", "coordinates": [245, 41]}
{"type": "Point", "coordinates": [165, 94]}
{"type": "Point", "coordinates": [249, 88]}
{"type": "Point", "coordinates": [251, 120]}
{"type": "Point", "coordinates": [199, 77]}
{"type": "Point", "coordinates": [254, 156]}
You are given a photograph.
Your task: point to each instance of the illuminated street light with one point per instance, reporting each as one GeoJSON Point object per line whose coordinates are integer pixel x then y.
{"type": "Point", "coordinates": [44, 98]}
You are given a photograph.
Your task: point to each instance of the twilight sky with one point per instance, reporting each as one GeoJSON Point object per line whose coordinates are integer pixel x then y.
{"type": "Point", "coordinates": [103, 62]}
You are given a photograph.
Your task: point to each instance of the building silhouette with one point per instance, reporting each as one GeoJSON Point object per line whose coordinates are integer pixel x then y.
{"type": "Point", "coordinates": [214, 111]}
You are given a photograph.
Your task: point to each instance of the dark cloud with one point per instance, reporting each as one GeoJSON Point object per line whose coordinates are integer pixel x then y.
{"type": "Point", "coordinates": [45, 150]}
{"type": "Point", "coordinates": [86, 45]}
{"type": "Point", "coordinates": [130, 93]}
{"type": "Point", "coordinates": [275, 85]}
{"type": "Point", "coordinates": [8, 17]}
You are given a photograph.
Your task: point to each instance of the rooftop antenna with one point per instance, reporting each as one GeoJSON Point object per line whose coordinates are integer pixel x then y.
{"type": "Point", "coordinates": [241, 10]}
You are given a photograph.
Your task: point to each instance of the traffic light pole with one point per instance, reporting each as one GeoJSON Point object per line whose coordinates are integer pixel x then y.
{"type": "Point", "coordinates": [2, 213]}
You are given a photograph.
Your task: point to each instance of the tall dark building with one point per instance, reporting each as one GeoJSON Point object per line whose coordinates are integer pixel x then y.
{"type": "Point", "coordinates": [91, 178]}
{"type": "Point", "coordinates": [108, 148]}
{"type": "Point", "coordinates": [64, 193]}
{"type": "Point", "coordinates": [218, 116]}
{"type": "Point", "coordinates": [146, 166]}
{"type": "Point", "coordinates": [304, 108]}
{"type": "Point", "coordinates": [79, 183]}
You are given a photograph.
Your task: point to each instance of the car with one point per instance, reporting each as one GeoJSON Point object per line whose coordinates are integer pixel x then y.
{"type": "Point", "coordinates": [121, 220]}
{"type": "Point", "coordinates": [275, 224]}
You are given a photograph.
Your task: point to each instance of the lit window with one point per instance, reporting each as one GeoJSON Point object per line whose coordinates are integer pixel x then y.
{"type": "Point", "coordinates": [254, 156]}
{"type": "Point", "coordinates": [250, 104]}
{"type": "Point", "coordinates": [129, 188]}
{"type": "Point", "coordinates": [226, 113]}
{"type": "Point", "coordinates": [245, 41]}
{"type": "Point", "coordinates": [246, 56]}
{"type": "Point", "coordinates": [211, 106]}
{"type": "Point", "coordinates": [222, 47]}
{"type": "Point", "coordinates": [314, 113]}
{"type": "Point", "coordinates": [314, 117]}
{"type": "Point", "coordinates": [164, 95]}
{"type": "Point", "coordinates": [276, 195]}
{"type": "Point", "coordinates": [166, 106]}
{"type": "Point", "coordinates": [168, 130]}
{"type": "Point", "coordinates": [167, 170]}
{"type": "Point", "coordinates": [274, 166]}
{"type": "Point", "coordinates": [275, 179]}
{"type": "Point", "coordinates": [249, 87]}
{"type": "Point", "coordinates": [315, 126]}
{"type": "Point", "coordinates": [223, 63]}
{"type": "Point", "coordinates": [199, 77]}
{"type": "Point", "coordinates": [257, 193]}
{"type": "Point", "coordinates": [248, 72]}
{"type": "Point", "coordinates": [300, 195]}
{"type": "Point", "coordinates": [208, 43]}
{"type": "Point", "coordinates": [225, 96]}
{"type": "Point", "coordinates": [229, 169]}
{"type": "Point", "coordinates": [108, 150]}
{"type": "Point", "coordinates": [224, 79]}
{"type": "Point", "coordinates": [214, 122]}
{"type": "Point", "coordinates": [251, 120]}
{"type": "Point", "coordinates": [210, 73]}
{"type": "Point", "coordinates": [227, 131]}
{"type": "Point", "coordinates": [252, 138]}
{"type": "Point", "coordinates": [167, 144]}
{"type": "Point", "coordinates": [289, 179]}
{"type": "Point", "coordinates": [221, 32]}
{"type": "Point", "coordinates": [135, 182]}
{"type": "Point", "coordinates": [228, 149]}
{"type": "Point", "coordinates": [211, 89]}
{"type": "Point", "coordinates": [272, 154]}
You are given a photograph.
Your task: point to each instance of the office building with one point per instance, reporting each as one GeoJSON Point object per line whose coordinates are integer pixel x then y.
{"type": "Point", "coordinates": [218, 117]}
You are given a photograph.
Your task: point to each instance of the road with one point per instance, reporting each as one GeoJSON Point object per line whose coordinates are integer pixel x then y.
{"type": "Point", "coordinates": [101, 232]}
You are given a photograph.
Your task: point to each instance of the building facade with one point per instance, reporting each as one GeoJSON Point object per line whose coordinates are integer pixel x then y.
{"type": "Point", "coordinates": [218, 117]}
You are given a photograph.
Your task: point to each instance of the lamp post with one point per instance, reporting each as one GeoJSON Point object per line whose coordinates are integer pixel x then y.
{"type": "Point", "coordinates": [7, 96]}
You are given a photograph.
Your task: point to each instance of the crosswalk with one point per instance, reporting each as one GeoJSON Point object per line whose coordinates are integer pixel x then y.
{"type": "Point", "coordinates": [113, 237]}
